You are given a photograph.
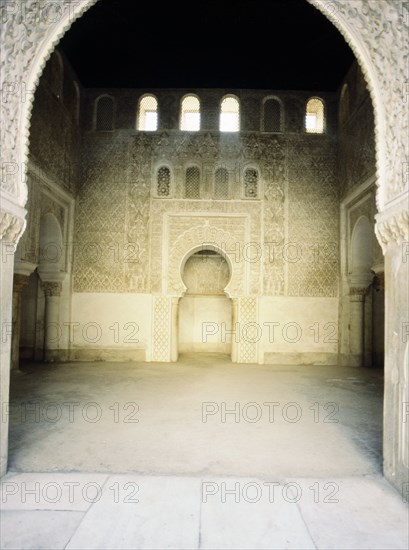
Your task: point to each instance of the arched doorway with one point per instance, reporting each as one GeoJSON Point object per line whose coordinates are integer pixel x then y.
{"type": "Point", "coordinates": [205, 313]}
{"type": "Point", "coordinates": [374, 49]}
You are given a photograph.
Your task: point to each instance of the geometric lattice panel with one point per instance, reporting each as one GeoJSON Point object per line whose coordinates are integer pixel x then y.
{"type": "Point", "coordinates": [161, 328]}
{"type": "Point", "coordinates": [247, 330]}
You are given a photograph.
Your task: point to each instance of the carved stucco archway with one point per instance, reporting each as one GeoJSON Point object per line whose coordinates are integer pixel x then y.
{"type": "Point", "coordinates": [377, 32]}
{"type": "Point", "coordinates": [207, 283]}
{"type": "Point", "coordinates": [200, 238]}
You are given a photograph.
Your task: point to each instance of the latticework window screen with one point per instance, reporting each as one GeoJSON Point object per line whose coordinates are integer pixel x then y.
{"type": "Point", "coordinates": [221, 184]}
{"type": "Point", "coordinates": [163, 182]}
{"type": "Point", "coordinates": [105, 114]}
{"type": "Point", "coordinates": [272, 115]}
{"type": "Point", "coordinates": [250, 183]}
{"type": "Point", "coordinates": [192, 183]}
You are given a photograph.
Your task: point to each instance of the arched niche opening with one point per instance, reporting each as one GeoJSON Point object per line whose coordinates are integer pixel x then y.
{"type": "Point", "coordinates": [361, 251]}
{"type": "Point", "coordinates": [205, 311]}
{"type": "Point", "coordinates": [51, 245]}
{"type": "Point", "coordinates": [367, 298]}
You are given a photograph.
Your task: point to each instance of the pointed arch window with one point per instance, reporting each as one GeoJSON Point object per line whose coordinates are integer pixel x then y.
{"type": "Point", "coordinates": [192, 183]}
{"type": "Point", "coordinates": [272, 115]}
{"type": "Point", "coordinates": [104, 113]}
{"type": "Point", "coordinates": [230, 114]}
{"type": "Point", "coordinates": [148, 114]}
{"type": "Point", "coordinates": [221, 183]}
{"type": "Point", "coordinates": [190, 114]}
{"type": "Point", "coordinates": [315, 116]}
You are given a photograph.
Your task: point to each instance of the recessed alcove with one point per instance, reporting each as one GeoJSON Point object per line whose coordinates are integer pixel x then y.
{"type": "Point", "coordinates": [205, 312]}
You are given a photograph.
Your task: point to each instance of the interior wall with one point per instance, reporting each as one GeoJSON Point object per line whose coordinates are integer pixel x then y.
{"type": "Point", "coordinates": [285, 240]}
{"type": "Point", "coordinates": [357, 187]}
{"type": "Point", "coordinates": [205, 324]}
{"type": "Point", "coordinates": [110, 326]}
{"type": "Point", "coordinates": [298, 330]}
{"type": "Point", "coordinates": [52, 178]}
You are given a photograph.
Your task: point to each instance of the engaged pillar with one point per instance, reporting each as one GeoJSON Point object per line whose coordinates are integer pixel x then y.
{"type": "Point", "coordinates": [19, 282]}
{"type": "Point", "coordinates": [52, 329]}
{"type": "Point", "coordinates": [359, 282]}
{"type": "Point", "coordinates": [356, 324]}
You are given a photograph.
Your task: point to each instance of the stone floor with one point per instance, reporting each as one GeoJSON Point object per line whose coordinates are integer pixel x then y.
{"type": "Point", "coordinates": [198, 454]}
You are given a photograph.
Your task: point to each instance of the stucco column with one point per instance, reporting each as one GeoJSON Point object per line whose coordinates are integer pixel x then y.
{"type": "Point", "coordinates": [359, 282]}
{"type": "Point", "coordinates": [22, 272]}
{"type": "Point", "coordinates": [6, 294]}
{"type": "Point", "coordinates": [392, 229]}
{"type": "Point", "coordinates": [356, 324]}
{"type": "Point", "coordinates": [11, 227]}
{"type": "Point", "coordinates": [52, 329]}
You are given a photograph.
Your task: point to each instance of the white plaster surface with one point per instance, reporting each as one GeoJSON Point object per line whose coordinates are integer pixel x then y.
{"type": "Point", "coordinates": [204, 324]}
{"type": "Point", "coordinates": [124, 320]}
{"type": "Point", "coordinates": [298, 325]}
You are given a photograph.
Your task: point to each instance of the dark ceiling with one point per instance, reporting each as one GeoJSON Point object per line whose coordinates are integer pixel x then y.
{"type": "Point", "coordinates": [261, 44]}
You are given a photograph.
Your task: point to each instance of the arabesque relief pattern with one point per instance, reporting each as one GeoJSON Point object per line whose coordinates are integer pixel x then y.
{"type": "Point", "coordinates": [311, 254]}
{"type": "Point", "coordinates": [356, 153]}
{"type": "Point", "coordinates": [122, 228]}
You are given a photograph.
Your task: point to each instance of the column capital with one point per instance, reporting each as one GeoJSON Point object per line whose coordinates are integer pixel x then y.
{"type": "Point", "coordinates": [392, 225]}
{"type": "Point", "coordinates": [12, 221]}
{"type": "Point", "coordinates": [51, 288]}
{"type": "Point", "coordinates": [360, 280]}
{"type": "Point", "coordinates": [357, 293]}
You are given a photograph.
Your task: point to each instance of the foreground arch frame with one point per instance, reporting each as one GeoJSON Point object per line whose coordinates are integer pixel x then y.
{"type": "Point", "coordinates": [377, 32]}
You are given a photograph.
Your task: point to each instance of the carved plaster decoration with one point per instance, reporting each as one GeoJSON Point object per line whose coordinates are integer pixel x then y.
{"type": "Point", "coordinates": [311, 250]}
{"type": "Point", "coordinates": [11, 227]}
{"type": "Point", "coordinates": [275, 175]}
{"type": "Point", "coordinates": [356, 154]}
{"type": "Point", "coordinates": [376, 31]}
{"type": "Point", "coordinates": [29, 35]}
{"type": "Point", "coordinates": [162, 310]}
{"type": "Point", "coordinates": [51, 288]}
{"type": "Point", "coordinates": [392, 228]}
{"type": "Point", "coordinates": [247, 330]}
{"type": "Point", "coordinates": [205, 237]}
{"type": "Point", "coordinates": [205, 273]}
